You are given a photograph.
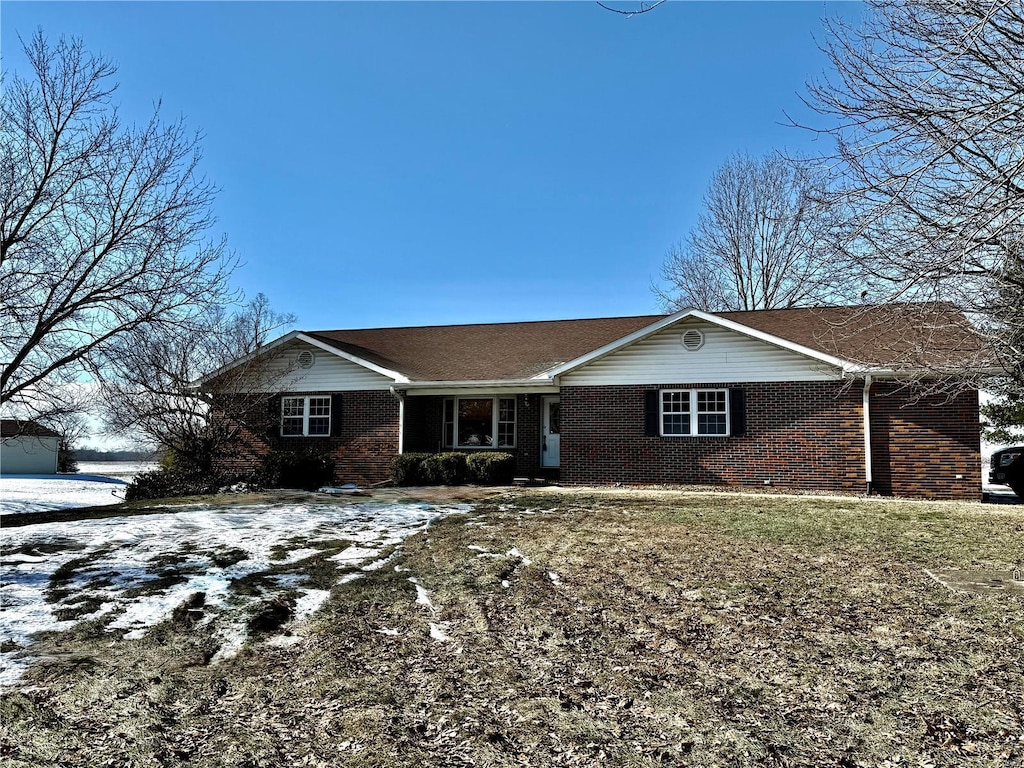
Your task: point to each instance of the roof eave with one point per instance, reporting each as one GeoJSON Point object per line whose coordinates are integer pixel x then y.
{"type": "Point", "coordinates": [396, 376]}
{"type": "Point", "coordinates": [670, 320]}
{"type": "Point", "coordinates": [612, 346]}
{"type": "Point", "coordinates": [519, 384]}
{"type": "Point", "coordinates": [399, 378]}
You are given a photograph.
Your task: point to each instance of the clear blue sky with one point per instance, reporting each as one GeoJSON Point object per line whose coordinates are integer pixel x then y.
{"type": "Point", "coordinates": [422, 163]}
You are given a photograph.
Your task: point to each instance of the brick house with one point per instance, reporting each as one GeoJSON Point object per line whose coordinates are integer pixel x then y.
{"type": "Point", "coordinates": [810, 398]}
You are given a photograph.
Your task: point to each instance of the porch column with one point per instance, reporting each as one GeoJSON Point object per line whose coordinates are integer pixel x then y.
{"type": "Point", "coordinates": [399, 395]}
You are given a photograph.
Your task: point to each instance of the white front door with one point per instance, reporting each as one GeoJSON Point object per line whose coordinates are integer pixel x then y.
{"type": "Point", "coordinates": [550, 429]}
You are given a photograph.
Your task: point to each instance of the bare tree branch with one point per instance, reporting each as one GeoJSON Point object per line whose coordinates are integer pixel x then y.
{"type": "Point", "coordinates": [926, 106]}
{"type": "Point", "coordinates": [643, 8]}
{"type": "Point", "coordinates": [763, 241]}
{"type": "Point", "coordinates": [153, 397]}
{"type": "Point", "coordinates": [102, 227]}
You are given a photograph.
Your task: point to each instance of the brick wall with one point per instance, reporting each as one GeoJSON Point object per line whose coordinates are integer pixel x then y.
{"type": "Point", "coordinates": [798, 435]}
{"type": "Point", "coordinates": [362, 450]}
{"type": "Point", "coordinates": [919, 446]}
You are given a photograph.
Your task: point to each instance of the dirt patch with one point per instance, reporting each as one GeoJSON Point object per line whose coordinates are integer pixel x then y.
{"type": "Point", "coordinates": [981, 581]}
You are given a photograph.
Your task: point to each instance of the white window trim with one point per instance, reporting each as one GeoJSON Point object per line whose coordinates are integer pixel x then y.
{"type": "Point", "coordinates": [693, 414]}
{"type": "Point", "coordinates": [495, 417]}
{"type": "Point", "coordinates": [305, 414]}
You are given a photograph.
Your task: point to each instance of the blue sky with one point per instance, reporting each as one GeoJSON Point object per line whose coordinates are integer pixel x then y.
{"type": "Point", "coordinates": [424, 163]}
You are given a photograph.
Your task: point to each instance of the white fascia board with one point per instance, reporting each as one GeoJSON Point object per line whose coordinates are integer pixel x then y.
{"type": "Point", "coordinates": [625, 341]}
{"type": "Point", "coordinates": [301, 336]}
{"type": "Point", "coordinates": [768, 338]}
{"type": "Point", "coordinates": [904, 373]}
{"type": "Point", "coordinates": [478, 385]}
{"type": "Point", "coordinates": [262, 350]}
{"type": "Point", "coordinates": [400, 378]}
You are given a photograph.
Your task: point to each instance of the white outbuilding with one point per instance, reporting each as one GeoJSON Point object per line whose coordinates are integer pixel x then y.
{"type": "Point", "coordinates": [27, 448]}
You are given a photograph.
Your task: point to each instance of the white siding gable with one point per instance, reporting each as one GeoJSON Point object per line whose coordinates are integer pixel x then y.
{"type": "Point", "coordinates": [329, 373]}
{"type": "Point", "coordinates": [726, 357]}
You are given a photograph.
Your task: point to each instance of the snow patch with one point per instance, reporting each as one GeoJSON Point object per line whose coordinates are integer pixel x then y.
{"type": "Point", "coordinates": [284, 641]}
{"type": "Point", "coordinates": [21, 494]}
{"type": "Point", "coordinates": [168, 557]}
{"type": "Point", "coordinates": [422, 595]}
{"type": "Point", "coordinates": [308, 603]}
{"type": "Point", "coordinates": [354, 554]}
{"type": "Point", "coordinates": [483, 552]}
{"type": "Point", "coordinates": [514, 552]}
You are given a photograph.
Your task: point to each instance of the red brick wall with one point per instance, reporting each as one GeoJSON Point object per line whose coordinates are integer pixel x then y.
{"type": "Point", "coordinates": [362, 452]}
{"type": "Point", "coordinates": [798, 435]}
{"type": "Point", "coordinates": [920, 446]}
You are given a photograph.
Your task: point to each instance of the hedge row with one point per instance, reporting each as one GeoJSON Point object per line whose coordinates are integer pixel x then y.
{"type": "Point", "coordinates": [167, 483]}
{"type": "Point", "coordinates": [305, 468]}
{"type": "Point", "coordinates": [310, 469]}
{"type": "Point", "coordinates": [453, 468]}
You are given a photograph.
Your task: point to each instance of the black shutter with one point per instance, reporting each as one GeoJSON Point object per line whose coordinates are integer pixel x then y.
{"type": "Point", "coordinates": [738, 412]}
{"type": "Point", "coordinates": [652, 413]}
{"type": "Point", "coordinates": [336, 415]}
{"type": "Point", "coordinates": [274, 416]}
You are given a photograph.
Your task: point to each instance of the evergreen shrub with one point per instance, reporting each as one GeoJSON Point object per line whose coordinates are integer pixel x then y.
{"type": "Point", "coordinates": [490, 468]}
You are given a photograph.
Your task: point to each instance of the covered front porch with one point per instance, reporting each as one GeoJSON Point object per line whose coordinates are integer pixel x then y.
{"type": "Point", "coordinates": [526, 424]}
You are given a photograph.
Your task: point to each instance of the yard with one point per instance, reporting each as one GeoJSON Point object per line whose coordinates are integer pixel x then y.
{"type": "Point", "coordinates": [531, 627]}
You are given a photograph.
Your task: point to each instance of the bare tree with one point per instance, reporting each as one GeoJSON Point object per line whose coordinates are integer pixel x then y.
{"type": "Point", "coordinates": [101, 228]}
{"type": "Point", "coordinates": [927, 112]}
{"type": "Point", "coordinates": [641, 7]}
{"type": "Point", "coordinates": [763, 241]}
{"type": "Point", "coordinates": [154, 394]}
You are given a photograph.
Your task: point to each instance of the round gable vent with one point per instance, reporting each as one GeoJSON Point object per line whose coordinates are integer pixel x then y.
{"type": "Point", "coordinates": [692, 340]}
{"type": "Point", "coordinates": [306, 359]}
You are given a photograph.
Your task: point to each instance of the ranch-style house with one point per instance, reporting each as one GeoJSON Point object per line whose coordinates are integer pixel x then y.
{"type": "Point", "coordinates": [813, 398]}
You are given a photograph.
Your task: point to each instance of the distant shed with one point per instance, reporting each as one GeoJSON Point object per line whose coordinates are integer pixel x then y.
{"type": "Point", "coordinates": [27, 448]}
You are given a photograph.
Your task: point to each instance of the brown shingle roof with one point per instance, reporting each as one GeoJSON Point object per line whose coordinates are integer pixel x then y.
{"type": "Point", "coordinates": [926, 336]}
{"type": "Point", "coordinates": [893, 335]}
{"type": "Point", "coordinates": [481, 352]}
{"type": "Point", "coordinates": [15, 427]}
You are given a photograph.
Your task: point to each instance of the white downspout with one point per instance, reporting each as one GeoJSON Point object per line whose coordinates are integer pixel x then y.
{"type": "Point", "coordinates": [866, 407]}
{"type": "Point", "coordinates": [399, 395]}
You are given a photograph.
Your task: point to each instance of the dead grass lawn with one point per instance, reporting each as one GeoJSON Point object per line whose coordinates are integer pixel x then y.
{"type": "Point", "coordinates": [625, 629]}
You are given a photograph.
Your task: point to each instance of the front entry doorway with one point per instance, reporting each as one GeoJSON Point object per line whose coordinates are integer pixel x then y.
{"type": "Point", "coordinates": [550, 431]}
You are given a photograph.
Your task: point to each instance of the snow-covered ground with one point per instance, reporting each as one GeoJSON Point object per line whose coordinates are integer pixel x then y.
{"type": "Point", "coordinates": [132, 572]}
{"type": "Point", "coordinates": [43, 493]}
{"type": "Point", "coordinates": [95, 484]}
{"type": "Point", "coordinates": [122, 470]}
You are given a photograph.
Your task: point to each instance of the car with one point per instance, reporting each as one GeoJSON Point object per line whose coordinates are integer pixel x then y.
{"type": "Point", "coordinates": [1007, 468]}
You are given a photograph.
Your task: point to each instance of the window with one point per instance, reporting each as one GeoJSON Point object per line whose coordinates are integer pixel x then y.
{"type": "Point", "coordinates": [479, 422]}
{"type": "Point", "coordinates": [449, 422]}
{"type": "Point", "coordinates": [309, 415]}
{"type": "Point", "coordinates": [690, 412]}
{"type": "Point", "coordinates": [506, 422]}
